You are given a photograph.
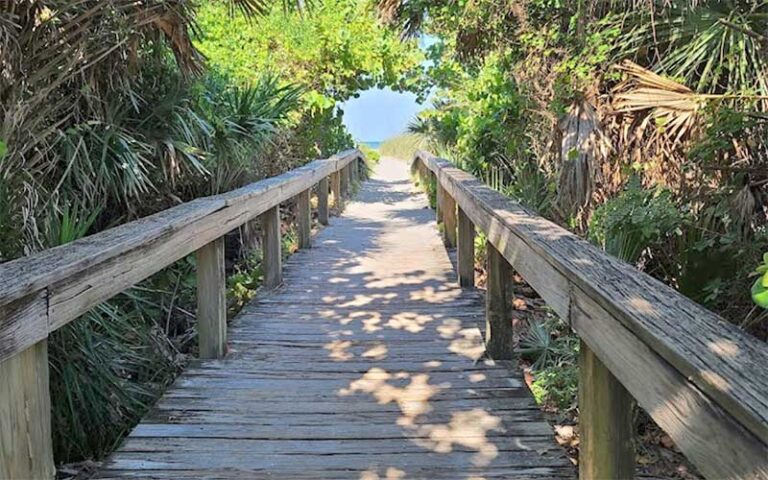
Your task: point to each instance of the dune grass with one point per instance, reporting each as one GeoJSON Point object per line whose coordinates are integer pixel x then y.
{"type": "Point", "coordinates": [402, 146]}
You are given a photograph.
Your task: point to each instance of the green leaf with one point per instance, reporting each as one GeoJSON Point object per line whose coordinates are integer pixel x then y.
{"type": "Point", "coordinates": [3, 149]}
{"type": "Point", "coordinates": [760, 292]}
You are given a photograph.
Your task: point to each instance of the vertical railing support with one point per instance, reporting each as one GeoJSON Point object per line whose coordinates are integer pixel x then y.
{"type": "Point", "coordinates": [338, 200]}
{"type": "Point", "coordinates": [211, 300]}
{"type": "Point", "coordinates": [344, 173]}
{"type": "Point", "coordinates": [304, 219]}
{"type": "Point", "coordinates": [362, 168]}
{"type": "Point", "coordinates": [466, 250]}
{"type": "Point", "coordinates": [605, 421]}
{"type": "Point", "coordinates": [498, 328]}
{"type": "Point", "coordinates": [322, 201]}
{"type": "Point", "coordinates": [271, 242]}
{"type": "Point", "coordinates": [448, 214]}
{"type": "Point", "coordinates": [354, 172]}
{"type": "Point", "coordinates": [26, 448]}
{"type": "Point", "coordinates": [438, 199]}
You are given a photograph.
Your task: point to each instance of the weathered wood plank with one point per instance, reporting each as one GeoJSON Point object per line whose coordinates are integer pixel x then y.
{"type": "Point", "coordinates": [691, 418]}
{"type": "Point", "coordinates": [498, 328]}
{"type": "Point", "coordinates": [448, 214]}
{"type": "Point", "coordinates": [84, 273]}
{"type": "Point", "coordinates": [26, 449]}
{"type": "Point", "coordinates": [466, 250]}
{"type": "Point", "coordinates": [385, 369]}
{"type": "Point", "coordinates": [304, 219]}
{"type": "Point", "coordinates": [344, 179]}
{"type": "Point", "coordinates": [322, 201]}
{"type": "Point", "coordinates": [211, 300]}
{"type": "Point", "coordinates": [713, 356]}
{"type": "Point", "coordinates": [533, 473]}
{"type": "Point", "coordinates": [606, 448]}
{"type": "Point", "coordinates": [338, 199]}
{"type": "Point", "coordinates": [272, 256]}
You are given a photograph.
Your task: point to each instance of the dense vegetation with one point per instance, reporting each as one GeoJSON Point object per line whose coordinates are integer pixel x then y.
{"type": "Point", "coordinates": [639, 125]}
{"type": "Point", "coordinates": [111, 111]}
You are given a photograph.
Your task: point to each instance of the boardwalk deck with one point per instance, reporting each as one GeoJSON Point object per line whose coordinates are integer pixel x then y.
{"type": "Point", "coordinates": [368, 364]}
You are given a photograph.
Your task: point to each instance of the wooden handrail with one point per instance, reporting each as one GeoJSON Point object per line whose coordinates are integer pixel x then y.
{"type": "Point", "coordinates": [49, 289]}
{"type": "Point", "coordinates": [703, 380]}
{"type": "Point", "coordinates": [43, 292]}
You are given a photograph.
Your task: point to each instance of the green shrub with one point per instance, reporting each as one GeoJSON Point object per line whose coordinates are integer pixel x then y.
{"type": "Point", "coordinates": [557, 386]}
{"type": "Point", "coordinates": [372, 155]}
{"type": "Point", "coordinates": [635, 220]}
{"type": "Point", "coordinates": [760, 287]}
{"type": "Point", "coordinates": [552, 349]}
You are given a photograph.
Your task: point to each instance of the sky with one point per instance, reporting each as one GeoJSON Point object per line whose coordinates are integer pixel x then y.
{"type": "Point", "coordinates": [378, 114]}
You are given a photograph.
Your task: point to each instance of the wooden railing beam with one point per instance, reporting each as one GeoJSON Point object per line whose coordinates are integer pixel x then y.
{"type": "Point", "coordinates": [304, 219]}
{"type": "Point", "coordinates": [211, 300]}
{"type": "Point", "coordinates": [702, 369]}
{"type": "Point", "coordinates": [271, 247]}
{"type": "Point", "coordinates": [466, 250]}
{"type": "Point", "coordinates": [322, 201]}
{"type": "Point", "coordinates": [43, 292]}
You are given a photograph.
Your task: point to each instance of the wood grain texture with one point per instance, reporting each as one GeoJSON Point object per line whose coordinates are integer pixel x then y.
{"type": "Point", "coordinates": [80, 275]}
{"type": "Point", "coordinates": [368, 363]}
{"type": "Point", "coordinates": [498, 327]}
{"type": "Point", "coordinates": [304, 219]}
{"type": "Point", "coordinates": [707, 360]}
{"type": "Point", "coordinates": [465, 250]}
{"type": "Point", "coordinates": [338, 199]}
{"type": "Point", "coordinates": [448, 215]}
{"type": "Point", "coordinates": [211, 300]}
{"type": "Point", "coordinates": [691, 418]}
{"type": "Point", "coordinates": [272, 254]}
{"type": "Point", "coordinates": [344, 175]}
{"type": "Point", "coordinates": [606, 448]}
{"type": "Point", "coordinates": [322, 201]}
{"type": "Point", "coordinates": [26, 450]}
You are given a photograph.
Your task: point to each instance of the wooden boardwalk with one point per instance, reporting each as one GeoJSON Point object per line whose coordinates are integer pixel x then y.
{"type": "Point", "coordinates": [369, 364]}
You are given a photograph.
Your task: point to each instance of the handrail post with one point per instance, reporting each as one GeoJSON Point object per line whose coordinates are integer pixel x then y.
{"type": "Point", "coordinates": [362, 168]}
{"type": "Point", "coordinates": [304, 219]}
{"type": "Point", "coordinates": [322, 201]}
{"type": "Point", "coordinates": [338, 200]}
{"type": "Point", "coordinates": [344, 174]}
{"type": "Point", "coordinates": [354, 172]}
{"type": "Point", "coordinates": [26, 445]}
{"type": "Point", "coordinates": [271, 247]}
{"type": "Point", "coordinates": [466, 250]}
{"type": "Point", "coordinates": [448, 214]}
{"type": "Point", "coordinates": [605, 421]}
{"type": "Point", "coordinates": [211, 300]}
{"type": "Point", "coordinates": [498, 327]}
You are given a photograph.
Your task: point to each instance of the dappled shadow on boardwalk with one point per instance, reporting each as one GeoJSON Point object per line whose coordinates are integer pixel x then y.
{"type": "Point", "coordinates": [367, 364]}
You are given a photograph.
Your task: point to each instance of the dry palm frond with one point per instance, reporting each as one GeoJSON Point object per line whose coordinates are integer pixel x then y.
{"type": "Point", "coordinates": [673, 107]}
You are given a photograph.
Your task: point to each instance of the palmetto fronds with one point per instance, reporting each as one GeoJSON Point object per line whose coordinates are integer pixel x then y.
{"type": "Point", "coordinates": [107, 113]}
{"type": "Point", "coordinates": [672, 108]}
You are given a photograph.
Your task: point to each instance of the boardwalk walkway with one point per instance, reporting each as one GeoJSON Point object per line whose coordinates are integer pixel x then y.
{"type": "Point", "coordinates": [367, 365]}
